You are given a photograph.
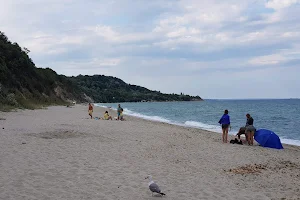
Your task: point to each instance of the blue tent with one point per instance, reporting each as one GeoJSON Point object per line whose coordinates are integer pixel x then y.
{"type": "Point", "coordinates": [268, 138]}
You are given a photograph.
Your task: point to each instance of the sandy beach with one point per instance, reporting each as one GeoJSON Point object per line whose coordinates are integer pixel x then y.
{"type": "Point", "coordinates": [59, 153]}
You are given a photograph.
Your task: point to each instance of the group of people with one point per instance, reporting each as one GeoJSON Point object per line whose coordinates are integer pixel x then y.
{"type": "Point", "coordinates": [248, 130]}
{"type": "Point", "coordinates": [106, 116]}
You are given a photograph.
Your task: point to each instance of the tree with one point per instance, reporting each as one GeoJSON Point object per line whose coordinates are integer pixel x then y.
{"type": "Point", "coordinates": [26, 50]}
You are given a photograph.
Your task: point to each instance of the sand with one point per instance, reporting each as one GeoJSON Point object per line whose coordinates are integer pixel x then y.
{"type": "Point", "coordinates": [59, 153]}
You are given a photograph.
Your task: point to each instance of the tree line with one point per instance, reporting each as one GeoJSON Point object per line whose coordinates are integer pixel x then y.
{"type": "Point", "coordinates": [23, 85]}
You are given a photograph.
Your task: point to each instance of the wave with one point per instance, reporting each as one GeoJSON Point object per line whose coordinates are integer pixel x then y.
{"type": "Point", "coordinates": [201, 125]}
{"type": "Point", "coordinates": [126, 111]}
{"type": "Point", "coordinates": [290, 141]}
{"type": "Point", "coordinates": [193, 124]}
{"type": "Point", "coordinates": [209, 127]}
{"type": "Point", "coordinates": [99, 105]}
{"type": "Point", "coordinates": [148, 117]}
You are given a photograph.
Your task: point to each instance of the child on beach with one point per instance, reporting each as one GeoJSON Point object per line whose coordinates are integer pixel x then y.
{"type": "Point", "coordinates": [121, 115]}
{"type": "Point", "coordinates": [225, 122]}
{"type": "Point", "coordinates": [106, 116]}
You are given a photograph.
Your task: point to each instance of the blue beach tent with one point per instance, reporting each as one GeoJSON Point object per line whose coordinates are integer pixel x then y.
{"type": "Point", "coordinates": [268, 138]}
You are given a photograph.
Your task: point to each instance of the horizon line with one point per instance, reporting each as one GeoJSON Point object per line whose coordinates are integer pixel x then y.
{"type": "Point", "coordinates": [291, 98]}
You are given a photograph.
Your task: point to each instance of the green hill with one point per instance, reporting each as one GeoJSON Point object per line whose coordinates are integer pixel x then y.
{"type": "Point", "coordinates": [110, 89]}
{"type": "Point", "coordinates": [23, 85]}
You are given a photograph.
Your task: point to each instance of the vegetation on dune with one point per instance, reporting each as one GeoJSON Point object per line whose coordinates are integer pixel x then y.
{"type": "Point", "coordinates": [110, 89]}
{"type": "Point", "coordinates": [23, 85]}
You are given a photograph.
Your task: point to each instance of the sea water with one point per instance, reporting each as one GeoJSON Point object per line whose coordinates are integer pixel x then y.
{"type": "Point", "coordinates": [282, 116]}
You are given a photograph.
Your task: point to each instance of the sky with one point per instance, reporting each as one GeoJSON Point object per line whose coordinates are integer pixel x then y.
{"type": "Point", "coordinates": [232, 49]}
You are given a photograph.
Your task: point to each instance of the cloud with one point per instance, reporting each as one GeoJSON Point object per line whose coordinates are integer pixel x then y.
{"type": "Point", "coordinates": [280, 4]}
{"type": "Point", "coordinates": [283, 56]}
{"type": "Point", "coordinates": [106, 32]}
{"type": "Point", "coordinates": [268, 60]}
{"type": "Point", "coordinates": [188, 45]}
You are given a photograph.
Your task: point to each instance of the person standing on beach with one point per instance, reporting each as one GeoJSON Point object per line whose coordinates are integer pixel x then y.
{"type": "Point", "coordinates": [119, 111]}
{"type": "Point", "coordinates": [250, 129]}
{"type": "Point", "coordinates": [250, 120]}
{"type": "Point", "coordinates": [91, 110]}
{"type": "Point", "coordinates": [225, 122]}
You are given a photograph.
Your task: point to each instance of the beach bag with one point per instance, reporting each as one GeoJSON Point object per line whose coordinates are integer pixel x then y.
{"type": "Point", "coordinates": [236, 141]}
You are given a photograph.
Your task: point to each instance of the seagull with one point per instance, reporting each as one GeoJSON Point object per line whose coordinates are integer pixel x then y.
{"type": "Point", "coordinates": [153, 186]}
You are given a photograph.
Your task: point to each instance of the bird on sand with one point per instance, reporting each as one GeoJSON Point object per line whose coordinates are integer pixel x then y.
{"type": "Point", "coordinates": [153, 186]}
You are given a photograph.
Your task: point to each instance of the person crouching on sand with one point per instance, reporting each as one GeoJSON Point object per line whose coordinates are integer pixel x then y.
{"type": "Point", "coordinates": [242, 131]}
{"type": "Point", "coordinates": [248, 130]}
{"type": "Point", "coordinates": [91, 110]}
{"type": "Point", "coordinates": [106, 116]}
{"type": "Point", "coordinates": [225, 122]}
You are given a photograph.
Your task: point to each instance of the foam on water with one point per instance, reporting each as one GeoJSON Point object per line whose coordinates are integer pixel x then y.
{"type": "Point", "coordinates": [139, 115]}
{"type": "Point", "coordinates": [200, 125]}
{"type": "Point", "coordinates": [208, 127]}
{"type": "Point", "coordinates": [99, 105]}
{"type": "Point", "coordinates": [290, 141]}
{"type": "Point", "coordinates": [152, 118]}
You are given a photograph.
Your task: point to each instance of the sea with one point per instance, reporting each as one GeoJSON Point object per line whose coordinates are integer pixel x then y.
{"type": "Point", "coordinates": [281, 116]}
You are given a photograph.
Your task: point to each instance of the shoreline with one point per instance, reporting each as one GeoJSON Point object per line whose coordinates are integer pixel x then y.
{"type": "Point", "coordinates": [284, 141]}
{"type": "Point", "coordinates": [59, 153]}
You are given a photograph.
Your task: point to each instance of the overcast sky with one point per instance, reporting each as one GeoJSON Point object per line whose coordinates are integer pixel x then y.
{"type": "Point", "coordinates": [210, 48]}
